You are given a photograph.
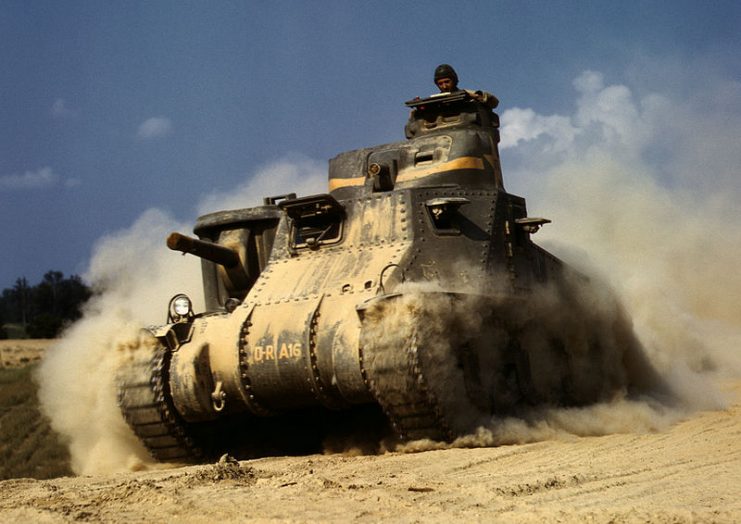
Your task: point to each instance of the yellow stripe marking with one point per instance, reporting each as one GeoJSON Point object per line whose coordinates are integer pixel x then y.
{"type": "Point", "coordinates": [466, 162]}
{"type": "Point", "coordinates": [336, 183]}
{"type": "Point", "coordinates": [411, 173]}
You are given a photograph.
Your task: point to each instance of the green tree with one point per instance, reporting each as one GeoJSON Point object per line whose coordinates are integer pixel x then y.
{"type": "Point", "coordinates": [45, 325]}
{"type": "Point", "coordinates": [21, 295]}
{"type": "Point", "coordinates": [46, 294]}
{"type": "Point", "coordinates": [71, 297]}
{"type": "Point", "coordinates": [43, 310]}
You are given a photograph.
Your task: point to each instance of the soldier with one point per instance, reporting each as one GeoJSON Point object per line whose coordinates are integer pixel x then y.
{"type": "Point", "coordinates": [446, 81]}
{"type": "Point", "coordinates": [446, 78]}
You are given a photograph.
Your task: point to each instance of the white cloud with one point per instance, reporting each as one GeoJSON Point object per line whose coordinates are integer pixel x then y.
{"type": "Point", "coordinates": [524, 125]}
{"type": "Point", "coordinates": [39, 179]}
{"type": "Point", "coordinates": [59, 109]}
{"type": "Point", "coordinates": [610, 111]}
{"type": "Point", "coordinates": [155, 127]}
{"type": "Point", "coordinates": [607, 115]}
{"type": "Point", "coordinates": [589, 82]}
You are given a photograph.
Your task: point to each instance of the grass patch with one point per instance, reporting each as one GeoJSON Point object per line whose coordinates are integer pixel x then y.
{"type": "Point", "coordinates": [28, 445]}
{"type": "Point", "coordinates": [14, 331]}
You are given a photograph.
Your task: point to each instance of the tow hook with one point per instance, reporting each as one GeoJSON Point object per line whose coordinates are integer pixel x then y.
{"type": "Point", "coordinates": [218, 397]}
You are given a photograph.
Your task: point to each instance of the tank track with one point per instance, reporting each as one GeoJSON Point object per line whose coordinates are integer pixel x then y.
{"type": "Point", "coordinates": [144, 399]}
{"type": "Point", "coordinates": [395, 378]}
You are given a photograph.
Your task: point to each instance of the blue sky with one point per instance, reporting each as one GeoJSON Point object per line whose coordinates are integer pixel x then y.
{"type": "Point", "coordinates": [109, 109]}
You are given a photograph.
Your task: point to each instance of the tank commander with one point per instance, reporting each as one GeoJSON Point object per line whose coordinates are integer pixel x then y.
{"type": "Point", "coordinates": [446, 80]}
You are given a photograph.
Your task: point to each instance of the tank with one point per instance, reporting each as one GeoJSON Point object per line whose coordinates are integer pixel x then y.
{"type": "Point", "coordinates": [411, 293]}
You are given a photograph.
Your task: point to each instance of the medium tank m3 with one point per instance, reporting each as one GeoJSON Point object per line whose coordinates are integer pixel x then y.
{"type": "Point", "coordinates": [413, 285]}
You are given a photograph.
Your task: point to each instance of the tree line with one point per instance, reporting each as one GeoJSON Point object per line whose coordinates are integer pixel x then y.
{"type": "Point", "coordinates": [43, 310]}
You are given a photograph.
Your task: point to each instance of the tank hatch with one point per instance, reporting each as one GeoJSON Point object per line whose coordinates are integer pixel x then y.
{"type": "Point", "coordinates": [445, 110]}
{"type": "Point", "coordinates": [315, 220]}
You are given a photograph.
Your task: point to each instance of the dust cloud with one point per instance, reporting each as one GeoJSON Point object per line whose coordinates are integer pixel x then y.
{"type": "Point", "coordinates": [643, 194]}
{"type": "Point", "coordinates": [571, 344]}
{"type": "Point", "coordinates": [650, 203]}
{"type": "Point", "coordinates": [134, 276]}
{"type": "Point", "coordinates": [642, 190]}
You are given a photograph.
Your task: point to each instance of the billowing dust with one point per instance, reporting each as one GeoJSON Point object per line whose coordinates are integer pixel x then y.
{"type": "Point", "coordinates": [659, 224]}
{"type": "Point", "coordinates": [667, 248]}
{"type": "Point", "coordinates": [134, 276]}
{"type": "Point", "coordinates": [570, 344]}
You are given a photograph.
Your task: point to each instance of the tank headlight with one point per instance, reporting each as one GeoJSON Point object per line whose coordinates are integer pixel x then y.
{"type": "Point", "coordinates": [181, 308]}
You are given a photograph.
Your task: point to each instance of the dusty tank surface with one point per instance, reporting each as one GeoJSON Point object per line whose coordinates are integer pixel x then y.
{"type": "Point", "coordinates": [412, 289]}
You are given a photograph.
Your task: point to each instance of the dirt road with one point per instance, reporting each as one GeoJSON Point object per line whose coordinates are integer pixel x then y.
{"type": "Point", "coordinates": [688, 473]}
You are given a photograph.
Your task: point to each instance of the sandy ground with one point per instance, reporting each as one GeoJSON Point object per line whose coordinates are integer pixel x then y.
{"type": "Point", "coordinates": [688, 473]}
{"type": "Point", "coordinates": [15, 353]}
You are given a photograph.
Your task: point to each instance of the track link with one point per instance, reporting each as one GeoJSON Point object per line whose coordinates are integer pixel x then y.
{"type": "Point", "coordinates": [144, 399]}
{"type": "Point", "coordinates": [396, 380]}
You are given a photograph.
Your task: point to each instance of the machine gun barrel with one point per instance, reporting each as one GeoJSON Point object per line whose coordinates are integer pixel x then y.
{"type": "Point", "coordinates": [208, 250]}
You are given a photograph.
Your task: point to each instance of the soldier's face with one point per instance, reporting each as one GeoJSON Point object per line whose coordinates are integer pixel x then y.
{"type": "Point", "coordinates": [445, 84]}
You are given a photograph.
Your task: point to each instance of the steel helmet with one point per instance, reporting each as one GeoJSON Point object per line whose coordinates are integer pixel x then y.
{"type": "Point", "coordinates": [445, 71]}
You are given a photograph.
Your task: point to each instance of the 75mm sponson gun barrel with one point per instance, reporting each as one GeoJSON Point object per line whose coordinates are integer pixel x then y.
{"type": "Point", "coordinates": [208, 250]}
